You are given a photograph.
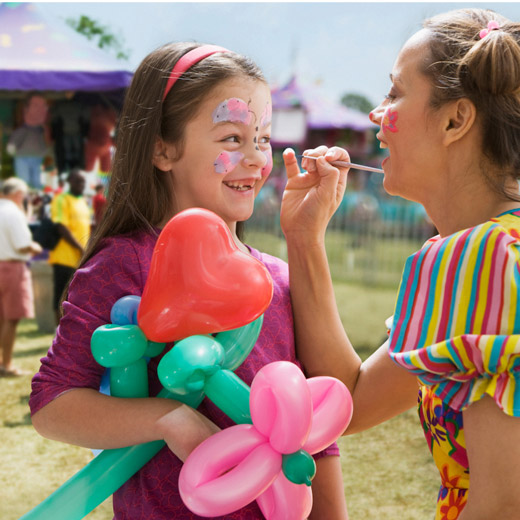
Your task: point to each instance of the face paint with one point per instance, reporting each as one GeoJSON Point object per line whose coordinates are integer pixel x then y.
{"type": "Point", "coordinates": [227, 161]}
{"type": "Point", "coordinates": [266, 170]}
{"type": "Point", "coordinates": [232, 110]}
{"type": "Point", "coordinates": [389, 121]}
{"type": "Point", "coordinates": [265, 119]}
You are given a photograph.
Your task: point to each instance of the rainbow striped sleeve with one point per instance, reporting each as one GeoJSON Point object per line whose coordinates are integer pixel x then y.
{"type": "Point", "coordinates": [457, 319]}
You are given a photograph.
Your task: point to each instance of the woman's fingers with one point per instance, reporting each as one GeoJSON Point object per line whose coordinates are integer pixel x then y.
{"type": "Point", "coordinates": [291, 163]}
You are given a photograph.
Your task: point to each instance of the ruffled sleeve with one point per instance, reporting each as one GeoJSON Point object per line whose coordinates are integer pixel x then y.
{"type": "Point", "coordinates": [457, 318]}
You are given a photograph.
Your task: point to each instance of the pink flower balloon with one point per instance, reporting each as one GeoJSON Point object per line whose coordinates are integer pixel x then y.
{"type": "Point", "coordinates": [244, 462]}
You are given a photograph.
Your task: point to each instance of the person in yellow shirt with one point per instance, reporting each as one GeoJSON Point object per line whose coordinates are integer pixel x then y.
{"type": "Point", "coordinates": [73, 216]}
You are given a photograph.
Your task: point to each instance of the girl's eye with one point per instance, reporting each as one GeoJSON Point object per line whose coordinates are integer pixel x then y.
{"type": "Point", "coordinates": [231, 139]}
{"type": "Point", "coordinates": [265, 140]}
{"type": "Point", "coordinates": [390, 96]}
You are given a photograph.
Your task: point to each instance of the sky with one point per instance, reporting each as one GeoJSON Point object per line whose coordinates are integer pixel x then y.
{"type": "Point", "coordinates": [344, 47]}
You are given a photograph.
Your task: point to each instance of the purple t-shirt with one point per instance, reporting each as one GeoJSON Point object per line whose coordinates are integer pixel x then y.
{"type": "Point", "coordinates": [118, 269]}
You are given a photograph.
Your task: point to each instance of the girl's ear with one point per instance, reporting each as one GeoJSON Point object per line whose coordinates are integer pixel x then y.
{"type": "Point", "coordinates": [163, 155]}
{"type": "Point", "coordinates": [460, 120]}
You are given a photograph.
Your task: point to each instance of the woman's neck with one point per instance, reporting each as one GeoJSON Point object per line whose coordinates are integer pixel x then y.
{"type": "Point", "coordinates": [474, 204]}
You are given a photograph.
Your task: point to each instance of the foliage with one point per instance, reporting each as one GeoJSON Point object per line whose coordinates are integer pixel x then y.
{"type": "Point", "coordinates": [357, 101]}
{"type": "Point", "coordinates": [100, 33]}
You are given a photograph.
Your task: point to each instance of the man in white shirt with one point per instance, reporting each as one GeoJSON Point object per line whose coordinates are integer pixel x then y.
{"type": "Point", "coordinates": [16, 247]}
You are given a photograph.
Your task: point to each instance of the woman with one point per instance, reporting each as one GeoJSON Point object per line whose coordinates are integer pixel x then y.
{"type": "Point", "coordinates": [451, 126]}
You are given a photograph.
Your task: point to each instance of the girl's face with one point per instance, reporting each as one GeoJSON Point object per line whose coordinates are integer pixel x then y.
{"type": "Point", "coordinates": [227, 153]}
{"type": "Point", "coordinates": [410, 129]}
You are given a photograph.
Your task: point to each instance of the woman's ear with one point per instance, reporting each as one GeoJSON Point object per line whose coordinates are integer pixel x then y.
{"type": "Point", "coordinates": [163, 155]}
{"type": "Point", "coordinates": [460, 118]}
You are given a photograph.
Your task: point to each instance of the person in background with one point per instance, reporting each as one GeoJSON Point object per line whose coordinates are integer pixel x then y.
{"type": "Point", "coordinates": [72, 214]}
{"type": "Point", "coordinates": [99, 202]}
{"type": "Point", "coordinates": [28, 144]}
{"type": "Point", "coordinates": [451, 125]}
{"type": "Point", "coordinates": [16, 248]}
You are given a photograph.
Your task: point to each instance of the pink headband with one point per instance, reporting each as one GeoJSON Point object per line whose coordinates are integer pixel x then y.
{"type": "Point", "coordinates": [187, 61]}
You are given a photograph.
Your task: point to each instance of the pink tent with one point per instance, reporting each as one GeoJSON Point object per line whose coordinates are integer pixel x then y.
{"type": "Point", "coordinates": [322, 112]}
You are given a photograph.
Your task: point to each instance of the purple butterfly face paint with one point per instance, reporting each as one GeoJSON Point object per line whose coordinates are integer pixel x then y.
{"type": "Point", "coordinates": [232, 110]}
{"type": "Point", "coordinates": [227, 161]}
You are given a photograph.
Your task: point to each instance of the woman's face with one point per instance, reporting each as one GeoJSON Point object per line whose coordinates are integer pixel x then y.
{"type": "Point", "coordinates": [227, 153]}
{"type": "Point", "coordinates": [409, 127]}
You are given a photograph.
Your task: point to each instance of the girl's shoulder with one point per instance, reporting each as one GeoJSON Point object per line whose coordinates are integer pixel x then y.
{"type": "Point", "coordinates": [276, 266]}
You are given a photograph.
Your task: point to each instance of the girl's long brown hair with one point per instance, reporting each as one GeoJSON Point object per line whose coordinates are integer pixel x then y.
{"type": "Point", "coordinates": [140, 196]}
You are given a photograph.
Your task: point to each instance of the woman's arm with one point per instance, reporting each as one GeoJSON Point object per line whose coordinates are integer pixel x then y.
{"type": "Point", "coordinates": [87, 418]}
{"type": "Point", "coordinates": [493, 447]}
{"type": "Point", "coordinates": [327, 491]}
{"type": "Point", "coordinates": [380, 389]}
{"type": "Point", "coordinates": [309, 201]}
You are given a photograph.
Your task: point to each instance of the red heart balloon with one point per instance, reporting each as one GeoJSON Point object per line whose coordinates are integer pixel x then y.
{"type": "Point", "coordinates": [199, 281]}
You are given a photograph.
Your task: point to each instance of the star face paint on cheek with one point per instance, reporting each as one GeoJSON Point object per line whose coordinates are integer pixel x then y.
{"type": "Point", "coordinates": [227, 161]}
{"type": "Point", "coordinates": [232, 110]}
{"type": "Point", "coordinates": [389, 121]}
{"type": "Point", "coordinates": [266, 170]}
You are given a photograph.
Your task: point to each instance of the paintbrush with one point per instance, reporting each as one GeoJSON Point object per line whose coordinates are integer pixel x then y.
{"type": "Point", "coordinates": [345, 164]}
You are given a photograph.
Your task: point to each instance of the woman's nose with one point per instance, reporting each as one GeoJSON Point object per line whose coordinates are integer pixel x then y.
{"type": "Point", "coordinates": [376, 114]}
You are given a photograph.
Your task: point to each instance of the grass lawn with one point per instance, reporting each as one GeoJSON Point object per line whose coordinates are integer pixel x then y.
{"type": "Point", "coordinates": [388, 473]}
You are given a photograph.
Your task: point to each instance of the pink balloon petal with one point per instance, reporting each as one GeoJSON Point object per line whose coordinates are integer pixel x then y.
{"type": "Point", "coordinates": [228, 471]}
{"type": "Point", "coordinates": [332, 412]}
{"type": "Point", "coordinates": [281, 405]}
{"type": "Point", "coordinates": [285, 500]}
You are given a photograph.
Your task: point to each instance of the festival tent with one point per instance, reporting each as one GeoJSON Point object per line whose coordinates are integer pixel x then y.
{"type": "Point", "coordinates": [299, 108]}
{"type": "Point", "coordinates": [41, 52]}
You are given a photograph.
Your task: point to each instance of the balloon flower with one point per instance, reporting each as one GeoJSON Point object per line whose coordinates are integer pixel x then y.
{"type": "Point", "coordinates": [199, 283]}
{"type": "Point", "coordinates": [268, 460]}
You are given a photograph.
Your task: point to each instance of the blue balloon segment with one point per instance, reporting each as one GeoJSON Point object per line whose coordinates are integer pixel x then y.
{"type": "Point", "coordinates": [124, 311]}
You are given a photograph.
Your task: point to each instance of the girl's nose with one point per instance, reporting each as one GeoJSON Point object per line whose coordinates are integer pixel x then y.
{"type": "Point", "coordinates": [254, 157]}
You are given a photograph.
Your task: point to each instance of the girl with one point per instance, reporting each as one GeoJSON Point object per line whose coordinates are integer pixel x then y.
{"type": "Point", "coordinates": [194, 132]}
{"type": "Point", "coordinates": [450, 123]}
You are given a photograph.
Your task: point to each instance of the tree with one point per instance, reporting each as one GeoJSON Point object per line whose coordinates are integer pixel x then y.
{"type": "Point", "coordinates": [94, 31]}
{"type": "Point", "coordinates": [357, 101]}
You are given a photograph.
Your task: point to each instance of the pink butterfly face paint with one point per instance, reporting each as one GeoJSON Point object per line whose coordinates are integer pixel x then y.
{"type": "Point", "coordinates": [265, 118]}
{"type": "Point", "coordinates": [232, 110]}
{"type": "Point", "coordinates": [389, 121]}
{"type": "Point", "coordinates": [227, 161]}
{"type": "Point", "coordinates": [266, 170]}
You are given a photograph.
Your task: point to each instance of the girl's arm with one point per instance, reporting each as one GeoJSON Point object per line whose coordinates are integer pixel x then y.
{"type": "Point", "coordinates": [327, 491]}
{"type": "Point", "coordinates": [87, 418]}
{"type": "Point", "coordinates": [493, 447]}
{"type": "Point", "coordinates": [380, 388]}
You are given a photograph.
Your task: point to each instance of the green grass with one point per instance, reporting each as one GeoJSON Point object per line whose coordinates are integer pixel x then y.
{"type": "Point", "coordinates": [388, 472]}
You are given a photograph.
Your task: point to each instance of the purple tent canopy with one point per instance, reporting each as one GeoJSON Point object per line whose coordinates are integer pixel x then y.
{"type": "Point", "coordinates": [322, 112]}
{"type": "Point", "coordinates": [40, 52]}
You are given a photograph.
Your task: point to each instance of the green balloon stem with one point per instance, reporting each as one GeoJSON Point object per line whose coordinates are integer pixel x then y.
{"type": "Point", "coordinates": [101, 477]}
{"type": "Point", "coordinates": [230, 394]}
{"type": "Point", "coordinates": [129, 381]}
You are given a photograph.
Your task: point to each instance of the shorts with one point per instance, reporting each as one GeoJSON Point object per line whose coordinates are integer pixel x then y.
{"type": "Point", "coordinates": [16, 291]}
{"type": "Point", "coordinates": [62, 275]}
